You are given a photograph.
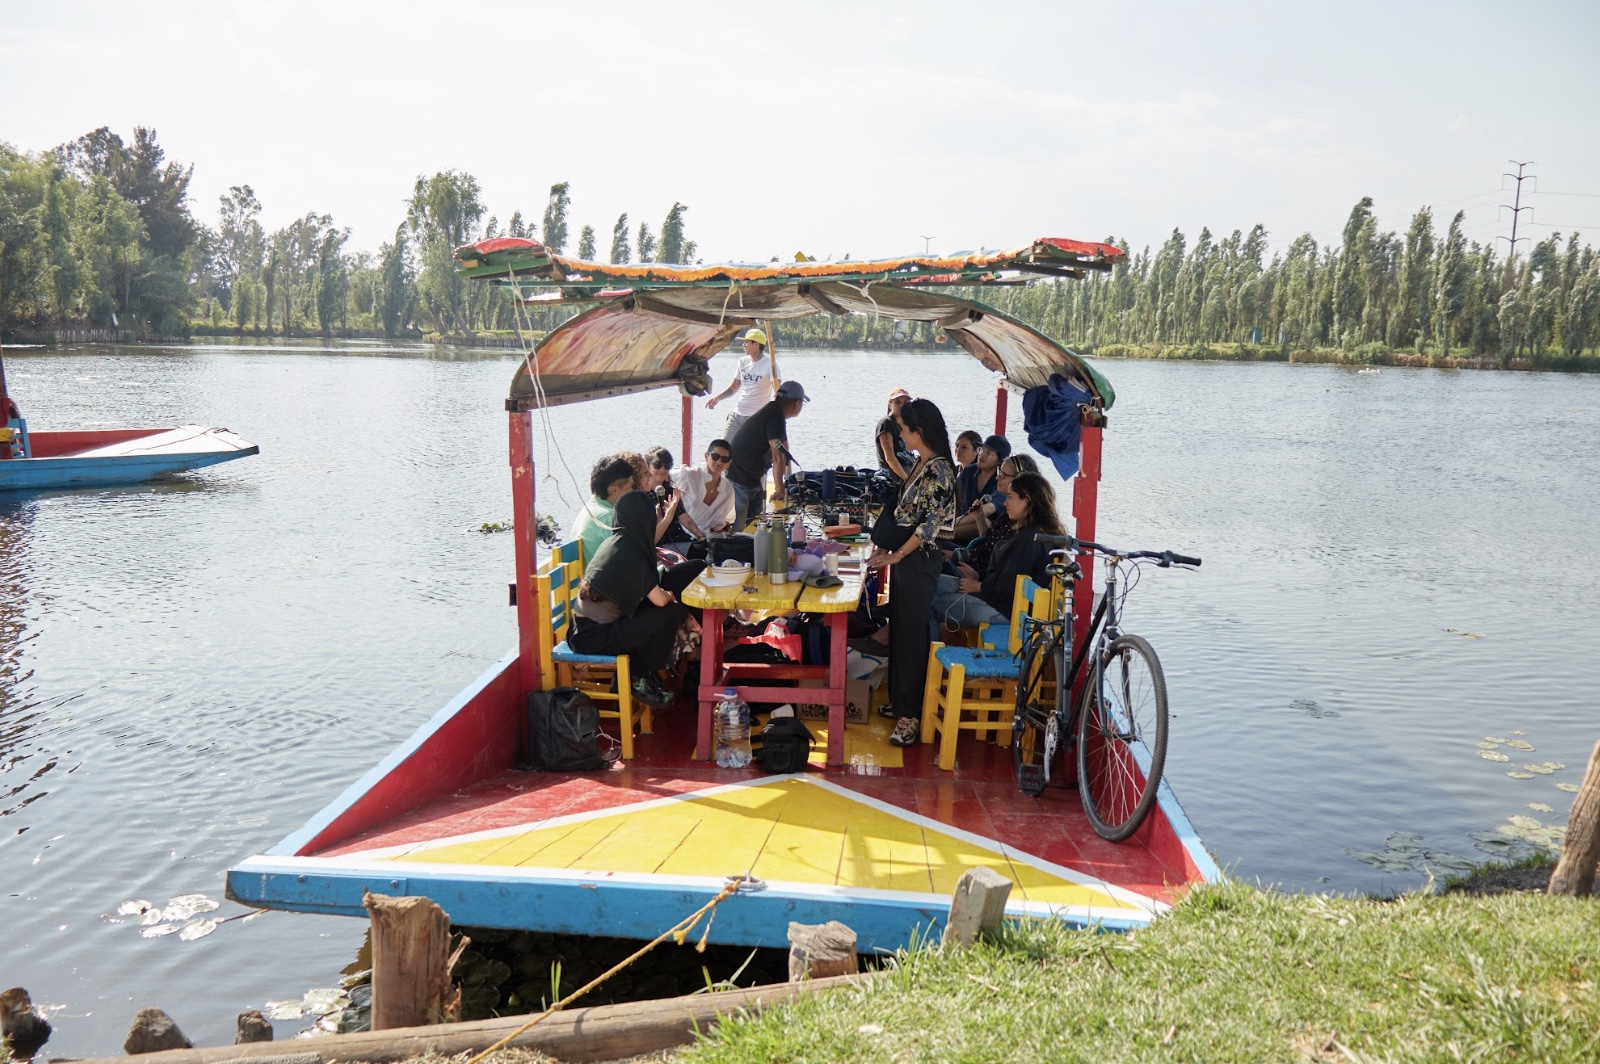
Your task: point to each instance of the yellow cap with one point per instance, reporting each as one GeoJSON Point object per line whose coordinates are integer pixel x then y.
{"type": "Point", "coordinates": [756, 336]}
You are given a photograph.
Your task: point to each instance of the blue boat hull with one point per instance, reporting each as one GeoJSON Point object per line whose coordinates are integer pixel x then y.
{"type": "Point", "coordinates": [37, 474]}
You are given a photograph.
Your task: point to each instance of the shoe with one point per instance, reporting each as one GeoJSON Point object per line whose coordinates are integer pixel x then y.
{"type": "Point", "coordinates": [906, 732]}
{"type": "Point", "coordinates": [887, 710]}
{"type": "Point", "coordinates": [648, 690]}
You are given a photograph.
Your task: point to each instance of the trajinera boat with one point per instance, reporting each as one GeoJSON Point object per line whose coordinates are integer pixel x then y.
{"type": "Point", "coordinates": [871, 834]}
{"type": "Point", "coordinates": [45, 459]}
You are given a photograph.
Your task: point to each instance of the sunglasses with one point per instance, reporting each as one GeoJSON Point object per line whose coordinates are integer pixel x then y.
{"type": "Point", "coordinates": [716, 457]}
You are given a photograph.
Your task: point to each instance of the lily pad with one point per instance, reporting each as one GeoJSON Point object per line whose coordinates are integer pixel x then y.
{"type": "Point", "coordinates": [1487, 745]}
{"type": "Point", "coordinates": [284, 1010]}
{"type": "Point", "coordinates": [133, 908]}
{"type": "Point", "coordinates": [1543, 770]}
{"type": "Point", "coordinates": [323, 1001]}
{"type": "Point", "coordinates": [1570, 788]}
{"type": "Point", "coordinates": [1554, 766]}
{"type": "Point", "coordinates": [1492, 755]}
{"type": "Point", "coordinates": [1519, 744]}
{"type": "Point", "coordinates": [1520, 775]}
{"type": "Point", "coordinates": [1526, 823]}
{"type": "Point", "coordinates": [186, 905]}
{"type": "Point", "coordinates": [1540, 807]}
{"type": "Point", "coordinates": [1448, 862]}
{"type": "Point", "coordinates": [1493, 739]}
{"type": "Point", "coordinates": [152, 916]}
{"type": "Point", "coordinates": [197, 929]}
{"type": "Point", "coordinates": [159, 930]}
{"type": "Point", "coordinates": [1518, 731]}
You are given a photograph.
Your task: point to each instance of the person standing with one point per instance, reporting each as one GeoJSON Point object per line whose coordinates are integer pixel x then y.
{"type": "Point", "coordinates": [706, 495]}
{"type": "Point", "coordinates": [752, 380]}
{"type": "Point", "coordinates": [760, 446]}
{"type": "Point", "coordinates": [926, 511]}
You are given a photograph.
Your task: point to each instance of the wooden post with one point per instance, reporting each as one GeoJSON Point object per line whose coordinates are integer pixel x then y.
{"type": "Point", "coordinates": [817, 951]}
{"type": "Point", "coordinates": [1575, 872]}
{"type": "Point", "coordinates": [525, 530]}
{"type": "Point", "coordinates": [685, 455]}
{"type": "Point", "coordinates": [977, 906]}
{"type": "Point", "coordinates": [772, 353]}
{"type": "Point", "coordinates": [410, 961]}
{"type": "Point", "coordinates": [1000, 397]}
{"type": "Point", "coordinates": [1085, 510]}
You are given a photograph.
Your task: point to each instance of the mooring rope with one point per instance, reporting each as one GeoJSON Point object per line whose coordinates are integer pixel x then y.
{"type": "Point", "coordinates": [679, 932]}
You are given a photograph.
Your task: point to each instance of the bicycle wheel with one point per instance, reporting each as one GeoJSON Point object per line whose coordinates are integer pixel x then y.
{"type": "Point", "coordinates": [1122, 737]}
{"type": "Point", "coordinates": [1034, 723]}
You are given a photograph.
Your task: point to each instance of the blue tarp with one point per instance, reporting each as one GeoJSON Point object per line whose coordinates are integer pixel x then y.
{"type": "Point", "coordinates": [1051, 418]}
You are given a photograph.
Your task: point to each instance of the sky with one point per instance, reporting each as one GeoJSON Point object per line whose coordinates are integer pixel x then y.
{"type": "Point", "coordinates": [843, 128]}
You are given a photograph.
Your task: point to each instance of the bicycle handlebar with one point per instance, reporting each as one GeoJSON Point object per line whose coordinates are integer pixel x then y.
{"type": "Point", "coordinates": [1072, 545]}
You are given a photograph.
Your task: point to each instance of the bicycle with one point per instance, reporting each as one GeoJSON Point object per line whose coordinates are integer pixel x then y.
{"type": "Point", "coordinates": [1118, 724]}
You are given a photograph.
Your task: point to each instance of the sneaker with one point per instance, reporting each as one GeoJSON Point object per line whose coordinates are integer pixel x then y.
{"type": "Point", "coordinates": [906, 732]}
{"type": "Point", "coordinates": [648, 690]}
{"type": "Point", "coordinates": [888, 710]}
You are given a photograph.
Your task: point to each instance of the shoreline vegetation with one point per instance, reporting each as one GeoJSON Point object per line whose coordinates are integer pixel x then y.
{"type": "Point", "coordinates": [98, 237]}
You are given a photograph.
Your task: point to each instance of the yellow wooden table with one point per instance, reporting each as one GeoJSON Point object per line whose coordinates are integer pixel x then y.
{"type": "Point", "coordinates": [759, 593]}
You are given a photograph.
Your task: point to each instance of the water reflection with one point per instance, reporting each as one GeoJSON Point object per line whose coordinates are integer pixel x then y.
{"type": "Point", "coordinates": [22, 765]}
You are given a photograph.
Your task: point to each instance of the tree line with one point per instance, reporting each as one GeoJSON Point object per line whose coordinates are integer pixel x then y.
{"type": "Point", "coordinates": [99, 232]}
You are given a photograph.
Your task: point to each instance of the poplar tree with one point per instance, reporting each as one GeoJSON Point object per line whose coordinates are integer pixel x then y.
{"type": "Point", "coordinates": [586, 244]}
{"type": "Point", "coordinates": [620, 250]}
{"type": "Point", "coordinates": [555, 218]}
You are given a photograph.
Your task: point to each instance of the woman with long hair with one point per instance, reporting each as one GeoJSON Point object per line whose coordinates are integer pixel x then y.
{"type": "Point", "coordinates": [621, 607]}
{"type": "Point", "coordinates": [970, 600]}
{"type": "Point", "coordinates": [925, 511]}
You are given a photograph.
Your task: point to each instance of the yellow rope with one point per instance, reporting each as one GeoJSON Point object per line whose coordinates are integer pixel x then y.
{"type": "Point", "coordinates": [679, 932]}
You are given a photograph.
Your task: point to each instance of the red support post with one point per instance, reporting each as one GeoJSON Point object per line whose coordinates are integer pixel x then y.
{"type": "Point", "coordinates": [1085, 504]}
{"type": "Point", "coordinates": [525, 530]}
{"type": "Point", "coordinates": [1001, 395]}
{"type": "Point", "coordinates": [686, 456]}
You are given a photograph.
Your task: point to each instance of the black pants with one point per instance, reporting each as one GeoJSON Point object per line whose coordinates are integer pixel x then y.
{"type": "Point", "coordinates": [910, 601]}
{"type": "Point", "coordinates": [679, 576]}
{"type": "Point", "coordinates": [646, 637]}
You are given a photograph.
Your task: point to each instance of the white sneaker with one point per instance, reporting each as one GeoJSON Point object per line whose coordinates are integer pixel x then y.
{"type": "Point", "coordinates": [906, 732]}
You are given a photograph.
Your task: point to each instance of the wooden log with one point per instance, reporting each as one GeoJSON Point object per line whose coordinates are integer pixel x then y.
{"type": "Point", "coordinates": [604, 1032]}
{"type": "Point", "coordinates": [817, 951]}
{"type": "Point", "coordinates": [977, 906]}
{"type": "Point", "coordinates": [1575, 872]}
{"type": "Point", "coordinates": [410, 962]}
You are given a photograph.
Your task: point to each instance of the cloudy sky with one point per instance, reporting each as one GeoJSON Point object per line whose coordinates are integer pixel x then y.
{"type": "Point", "coordinates": [854, 128]}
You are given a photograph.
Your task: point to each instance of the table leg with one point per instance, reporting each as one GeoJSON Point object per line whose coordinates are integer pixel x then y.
{"type": "Point", "coordinates": [710, 672]}
{"type": "Point", "coordinates": [838, 624]}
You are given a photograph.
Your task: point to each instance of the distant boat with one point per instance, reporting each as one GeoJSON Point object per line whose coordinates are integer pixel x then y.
{"type": "Point", "coordinates": [84, 458]}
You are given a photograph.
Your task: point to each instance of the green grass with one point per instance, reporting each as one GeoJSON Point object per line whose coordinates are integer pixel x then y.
{"type": "Point", "coordinates": [1233, 974]}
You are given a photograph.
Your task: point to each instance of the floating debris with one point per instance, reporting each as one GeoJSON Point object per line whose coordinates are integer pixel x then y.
{"type": "Point", "coordinates": [1543, 770]}
{"type": "Point", "coordinates": [197, 929]}
{"type": "Point", "coordinates": [1518, 774]}
{"type": "Point", "coordinates": [159, 930]}
{"type": "Point", "coordinates": [1312, 709]}
{"type": "Point", "coordinates": [1540, 807]}
{"type": "Point", "coordinates": [1464, 634]}
{"type": "Point", "coordinates": [1492, 755]}
{"type": "Point", "coordinates": [1487, 745]}
{"type": "Point", "coordinates": [133, 908]}
{"type": "Point", "coordinates": [1519, 744]}
{"type": "Point", "coordinates": [492, 526]}
{"type": "Point", "coordinates": [1570, 788]}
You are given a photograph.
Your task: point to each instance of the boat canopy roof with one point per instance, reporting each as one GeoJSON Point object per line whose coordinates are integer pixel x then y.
{"type": "Point", "coordinates": [655, 324]}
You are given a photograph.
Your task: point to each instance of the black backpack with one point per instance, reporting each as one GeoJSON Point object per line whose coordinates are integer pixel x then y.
{"type": "Point", "coordinates": [563, 733]}
{"type": "Point", "coordinates": [785, 745]}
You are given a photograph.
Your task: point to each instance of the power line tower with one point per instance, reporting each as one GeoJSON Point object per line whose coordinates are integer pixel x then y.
{"type": "Point", "coordinates": [1517, 208]}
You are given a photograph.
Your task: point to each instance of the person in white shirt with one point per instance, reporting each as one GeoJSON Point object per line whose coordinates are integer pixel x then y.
{"type": "Point", "coordinates": [704, 494]}
{"type": "Point", "coordinates": [752, 380]}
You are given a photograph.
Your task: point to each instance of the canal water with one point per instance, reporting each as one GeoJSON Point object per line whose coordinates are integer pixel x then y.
{"type": "Point", "coordinates": [1397, 565]}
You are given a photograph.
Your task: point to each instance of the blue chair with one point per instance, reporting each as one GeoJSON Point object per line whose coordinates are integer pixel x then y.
{"type": "Point", "coordinates": [975, 688]}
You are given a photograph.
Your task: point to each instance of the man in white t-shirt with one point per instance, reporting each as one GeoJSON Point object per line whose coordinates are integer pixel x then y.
{"type": "Point", "coordinates": [753, 380]}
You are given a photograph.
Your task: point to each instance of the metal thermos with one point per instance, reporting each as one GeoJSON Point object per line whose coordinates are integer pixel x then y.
{"type": "Point", "coordinates": [778, 560]}
{"type": "Point", "coordinates": [761, 556]}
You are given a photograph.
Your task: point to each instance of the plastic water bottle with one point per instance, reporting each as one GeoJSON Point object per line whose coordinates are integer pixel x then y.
{"type": "Point", "coordinates": [731, 724]}
{"type": "Point", "coordinates": [797, 532]}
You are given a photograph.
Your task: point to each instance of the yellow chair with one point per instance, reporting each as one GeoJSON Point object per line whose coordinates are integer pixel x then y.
{"type": "Point", "coordinates": [602, 677]}
{"type": "Point", "coordinates": [975, 688]}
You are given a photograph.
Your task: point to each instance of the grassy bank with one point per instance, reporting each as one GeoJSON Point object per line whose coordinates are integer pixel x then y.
{"type": "Point", "coordinates": [1234, 974]}
{"type": "Point", "coordinates": [1368, 355]}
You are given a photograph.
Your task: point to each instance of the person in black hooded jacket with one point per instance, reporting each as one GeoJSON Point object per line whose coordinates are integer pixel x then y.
{"type": "Point", "coordinates": [621, 607]}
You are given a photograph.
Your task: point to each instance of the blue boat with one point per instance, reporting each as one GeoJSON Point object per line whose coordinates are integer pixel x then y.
{"type": "Point", "coordinates": [85, 458]}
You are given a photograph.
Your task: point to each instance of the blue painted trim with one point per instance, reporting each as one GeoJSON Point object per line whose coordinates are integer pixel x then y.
{"type": "Point", "coordinates": [331, 812]}
{"type": "Point", "coordinates": [1167, 800]}
{"type": "Point", "coordinates": [38, 474]}
{"type": "Point", "coordinates": [617, 908]}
